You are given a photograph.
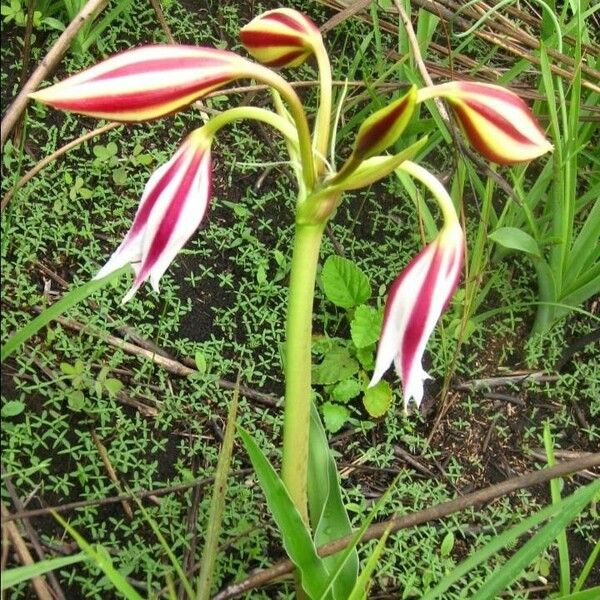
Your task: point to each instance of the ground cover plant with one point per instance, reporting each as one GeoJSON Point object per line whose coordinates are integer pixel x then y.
{"type": "Point", "coordinates": [89, 416]}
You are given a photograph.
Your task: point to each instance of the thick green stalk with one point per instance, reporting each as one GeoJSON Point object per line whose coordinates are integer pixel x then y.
{"type": "Point", "coordinates": [296, 419]}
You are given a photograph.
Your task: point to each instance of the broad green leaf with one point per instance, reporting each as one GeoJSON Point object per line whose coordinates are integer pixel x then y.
{"type": "Point", "coordinates": [360, 589]}
{"type": "Point", "coordinates": [328, 516]}
{"type": "Point", "coordinates": [113, 386]}
{"type": "Point", "coordinates": [296, 538]}
{"type": "Point", "coordinates": [346, 390]}
{"type": "Point", "coordinates": [336, 366]}
{"type": "Point", "coordinates": [76, 400]}
{"type": "Point", "coordinates": [377, 399]}
{"type": "Point", "coordinates": [217, 503]}
{"type": "Point", "coordinates": [335, 416]}
{"type": "Point", "coordinates": [447, 544]}
{"type": "Point", "coordinates": [200, 360]}
{"type": "Point", "coordinates": [344, 283]}
{"type": "Point", "coordinates": [515, 239]}
{"type": "Point", "coordinates": [67, 301]}
{"type": "Point", "coordinates": [366, 356]}
{"type": "Point", "coordinates": [12, 408]}
{"type": "Point", "coordinates": [366, 326]}
{"type": "Point", "coordinates": [101, 558]}
{"type": "Point", "coordinates": [12, 577]}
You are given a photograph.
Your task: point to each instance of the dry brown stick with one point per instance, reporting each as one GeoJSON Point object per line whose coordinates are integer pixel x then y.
{"type": "Point", "coordinates": [433, 513]}
{"type": "Point", "coordinates": [48, 64]}
{"type": "Point", "coordinates": [492, 382]}
{"type": "Point", "coordinates": [440, 10]}
{"type": "Point", "coordinates": [39, 584]}
{"type": "Point", "coordinates": [507, 28]}
{"type": "Point", "coordinates": [140, 494]}
{"type": "Point", "coordinates": [33, 537]}
{"type": "Point", "coordinates": [51, 157]}
{"type": "Point", "coordinates": [111, 471]}
{"type": "Point", "coordinates": [171, 365]}
{"type": "Point", "coordinates": [160, 15]}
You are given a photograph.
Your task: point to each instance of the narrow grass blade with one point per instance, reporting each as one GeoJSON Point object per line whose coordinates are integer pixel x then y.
{"type": "Point", "coordinates": [12, 577]}
{"type": "Point", "coordinates": [217, 503]}
{"type": "Point", "coordinates": [101, 558]}
{"type": "Point", "coordinates": [589, 594]}
{"type": "Point", "coordinates": [189, 590]}
{"type": "Point", "coordinates": [504, 539]}
{"type": "Point", "coordinates": [329, 518]}
{"type": "Point", "coordinates": [545, 536]}
{"type": "Point", "coordinates": [296, 537]}
{"type": "Point", "coordinates": [360, 589]}
{"type": "Point", "coordinates": [563, 547]}
{"type": "Point", "coordinates": [67, 301]}
{"type": "Point", "coordinates": [587, 568]}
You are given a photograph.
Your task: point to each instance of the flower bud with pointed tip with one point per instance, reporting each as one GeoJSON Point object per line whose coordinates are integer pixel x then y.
{"type": "Point", "coordinates": [498, 123]}
{"type": "Point", "coordinates": [381, 129]}
{"type": "Point", "coordinates": [147, 82]}
{"type": "Point", "coordinates": [281, 38]}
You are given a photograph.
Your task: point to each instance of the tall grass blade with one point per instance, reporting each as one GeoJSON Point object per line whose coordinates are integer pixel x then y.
{"type": "Point", "coordinates": [12, 577]}
{"type": "Point", "coordinates": [217, 503]}
{"type": "Point", "coordinates": [67, 301]}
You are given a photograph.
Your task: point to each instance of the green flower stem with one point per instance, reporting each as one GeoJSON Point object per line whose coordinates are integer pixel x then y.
{"type": "Point", "coordinates": [323, 121]}
{"type": "Point", "coordinates": [435, 187]}
{"type": "Point", "coordinates": [252, 112]}
{"type": "Point", "coordinates": [297, 112]}
{"type": "Point", "coordinates": [296, 418]}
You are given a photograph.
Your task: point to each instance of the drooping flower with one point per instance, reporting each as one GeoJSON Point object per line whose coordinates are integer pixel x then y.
{"type": "Point", "coordinates": [415, 302]}
{"type": "Point", "coordinates": [147, 82]}
{"type": "Point", "coordinates": [419, 295]}
{"type": "Point", "coordinates": [496, 121]}
{"type": "Point", "coordinates": [172, 207]}
{"type": "Point", "coordinates": [281, 38]}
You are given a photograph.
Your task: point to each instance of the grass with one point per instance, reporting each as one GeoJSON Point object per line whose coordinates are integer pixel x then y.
{"type": "Point", "coordinates": [225, 298]}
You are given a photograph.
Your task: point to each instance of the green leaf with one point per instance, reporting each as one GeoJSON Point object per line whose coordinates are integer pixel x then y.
{"type": "Point", "coordinates": [366, 356]}
{"type": "Point", "coordinates": [377, 399]}
{"type": "Point", "coordinates": [119, 176]}
{"type": "Point", "coordinates": [328, 516]}
{"type": "Point", "coordinates": [344, 283]}
{"type": "Point", "coordinates": [200, 360]}
{"type": "Point", "coordinates": [12, 408]}
{"type": "Point", "coordinates": [296, 538]}
{"type": "Point", "coordinates": [335, 416]}
{"type": "Point", "coordinates": [366, 326]}
{"type": "Point", "coordinates": [12, 577]}
{"type": "Point", "coordinates": [113, 386]}
{"type": "Point", "coordinates": [76, 400]}
{"type": "Point", "coordinates": [589, 594]}
{"type": "Point", "coordinates": [67, 301]}
{"type": "Point", "coordinates": [515, 239]}
{"type": "Point", "coordinates": [346, 390]}
{"type": "Point", "coordinates": [447, 544]}
{"type": "Point", "coordinates": [336, 366]}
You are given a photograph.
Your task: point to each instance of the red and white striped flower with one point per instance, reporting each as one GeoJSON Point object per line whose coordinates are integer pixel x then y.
{"type": "Point", "coordinates": [496, 121]}
{"type": "Point", "coordinates": [419, 295]}
{"type": "Point", "coordinates": [281, 38]}
{"type": "Point", "coordinates": [147, 82]}
{"type": "Point", "coordinates": [172, 207]}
